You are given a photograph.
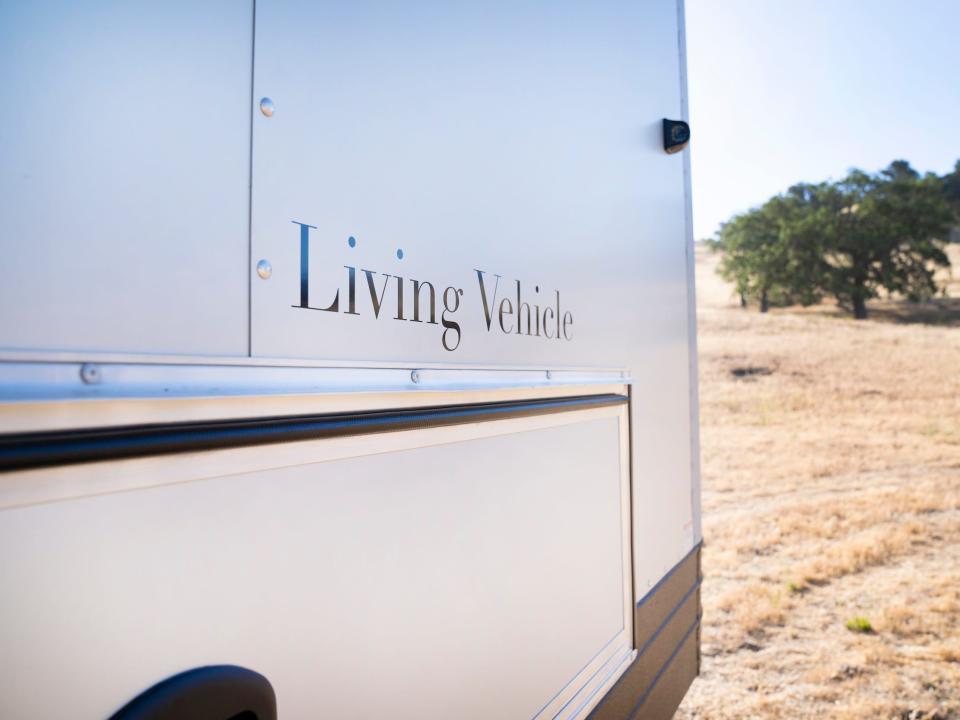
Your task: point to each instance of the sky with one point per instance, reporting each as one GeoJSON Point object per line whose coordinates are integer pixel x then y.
{"type": "Point", "coordinates": [783, 91]}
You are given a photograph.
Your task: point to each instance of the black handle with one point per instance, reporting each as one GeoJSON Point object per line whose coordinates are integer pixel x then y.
{"type": "Point", "coordinates": [216, 692]}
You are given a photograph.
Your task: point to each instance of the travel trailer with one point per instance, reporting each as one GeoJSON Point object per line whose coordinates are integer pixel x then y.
{"type": "Point", "coordinates": [347, 361]}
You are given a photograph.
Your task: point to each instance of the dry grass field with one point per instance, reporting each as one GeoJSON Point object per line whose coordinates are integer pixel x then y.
{"type": "Point", "coordinates": [831, 497]}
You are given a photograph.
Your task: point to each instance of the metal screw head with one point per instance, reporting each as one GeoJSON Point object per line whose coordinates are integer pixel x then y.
{"type": "Point", "coordinates": [264, 269]}
{"type": "Point", "coordinates": [90, 374]}
{"type": "Point", "coordinates": [415, 376]}
{"type": "Point", "coordinates": [267, 107]}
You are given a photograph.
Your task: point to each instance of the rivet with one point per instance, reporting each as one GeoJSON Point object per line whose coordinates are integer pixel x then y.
{"type": "Point", "coordinates": [90, 374]}
{"type": "Point", "coordinates": [415, 376]}
{"type": "Point", "coordinates": [267, 107]}
{"type": "Point", "coordinates": [264, 269]}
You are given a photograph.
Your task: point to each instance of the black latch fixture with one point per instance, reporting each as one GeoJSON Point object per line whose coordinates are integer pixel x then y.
{"type": "Point", "coordinates": [215, 692]}
{"type": "Point", "coordinates": [676, 135]}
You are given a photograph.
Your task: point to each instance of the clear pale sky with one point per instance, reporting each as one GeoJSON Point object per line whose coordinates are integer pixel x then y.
{"type": "Point", "coordinates": [789, 90]}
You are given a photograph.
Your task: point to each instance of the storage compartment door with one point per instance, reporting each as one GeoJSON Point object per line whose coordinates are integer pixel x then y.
{"type": "Point", "coordinates": [461, 571]}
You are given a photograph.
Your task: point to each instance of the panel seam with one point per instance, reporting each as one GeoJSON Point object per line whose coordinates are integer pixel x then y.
{"type": "Point", "coordinates": [252, 111]}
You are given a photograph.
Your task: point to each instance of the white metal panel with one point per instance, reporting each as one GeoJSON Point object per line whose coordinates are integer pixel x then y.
{"type": "Point", "coordinates": [665, 497]}
{"type": "Point", "coordinates": [514, 138]}
{"type": "Point", "coordinates": [518, 138]}
{"type": "Point", "coordinates": [124, 170]}
{"type": "Point", "coordinates": [471, 579]}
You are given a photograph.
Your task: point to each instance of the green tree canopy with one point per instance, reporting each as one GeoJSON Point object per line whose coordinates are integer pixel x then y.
{"type": "Point", "coordinates": [951, 191]}
{"type": "Point", "coordinates": [772, 254]}
{"type": "Point", "coordinates": [852, 239]}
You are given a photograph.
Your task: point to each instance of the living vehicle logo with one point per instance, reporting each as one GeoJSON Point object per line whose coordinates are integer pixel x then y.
{"type": "Point", "coordinates": [412, 300]}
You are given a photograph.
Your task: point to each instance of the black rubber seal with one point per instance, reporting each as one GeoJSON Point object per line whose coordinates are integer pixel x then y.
{"type": "Point", "coordinates": [30, 450]}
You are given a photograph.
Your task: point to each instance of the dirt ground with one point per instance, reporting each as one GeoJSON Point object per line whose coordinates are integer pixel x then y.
{"type": "Point", "coordinates": [831, 496]}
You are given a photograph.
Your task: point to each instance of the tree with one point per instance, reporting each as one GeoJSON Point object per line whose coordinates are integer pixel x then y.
{"type": "Point", "coordinates": [951, 191]}
{"type": "Point", "coordinates": [883, 232]}
{"type": "Point", "coordinates": [770, 253]}
{"type": "Point", "coordinates": [749, 244]}
{"type": "Point", "coordinates": [851, 239]}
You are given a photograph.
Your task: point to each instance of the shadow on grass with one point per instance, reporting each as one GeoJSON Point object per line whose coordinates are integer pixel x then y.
{"type": "Point", "coordinates": [943, 312]}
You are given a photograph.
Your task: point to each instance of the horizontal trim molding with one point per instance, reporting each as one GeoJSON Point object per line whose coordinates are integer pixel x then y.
{"type": "Point", "coordinates": [680, 564]}
{"type": "Point", "coordinates": [639, 707]}
{"type": "Point", "coordinates": [30, 450]}
{"type": "Point", "coordinates": [686, 596]}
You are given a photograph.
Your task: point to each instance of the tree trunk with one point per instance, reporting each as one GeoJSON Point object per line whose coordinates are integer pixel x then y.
{"type": "Point", "coordinates": [764, 302]}
{"type": "Point", "coordinates": [859, 307]}
{"type": "Point", "coordinates": [858, 296]}
{"type": "Point", "coordinates": [743, 300]}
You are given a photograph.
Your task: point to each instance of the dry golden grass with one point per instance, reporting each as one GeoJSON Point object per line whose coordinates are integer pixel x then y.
{"type": "Point", "coordinates": [755, 606]}
{"type": "Point", "coordinates": [831, 491]}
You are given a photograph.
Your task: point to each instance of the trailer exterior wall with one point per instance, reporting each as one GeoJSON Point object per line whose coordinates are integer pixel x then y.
{"type": "Point", "coordinates": [443, 144]}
